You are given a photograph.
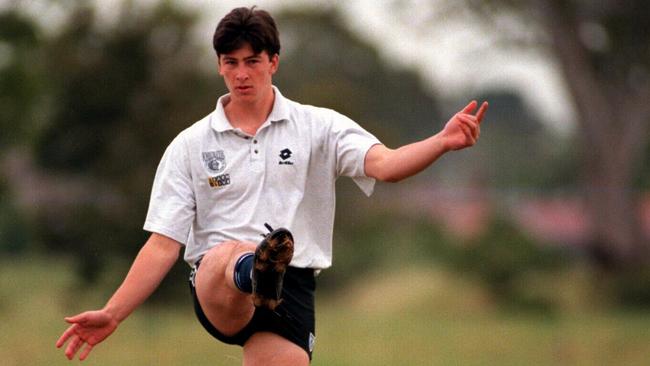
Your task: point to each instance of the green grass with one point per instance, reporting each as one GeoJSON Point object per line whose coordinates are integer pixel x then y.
{"type": "Point", "coordinates": [416, 317]}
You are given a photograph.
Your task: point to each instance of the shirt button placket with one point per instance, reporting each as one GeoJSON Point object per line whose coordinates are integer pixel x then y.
{"type": "Point", "coordinates": [256, 151]}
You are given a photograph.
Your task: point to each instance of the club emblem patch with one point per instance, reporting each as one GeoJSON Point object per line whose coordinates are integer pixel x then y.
{"type": "Point", "coordinates": [214, 161]}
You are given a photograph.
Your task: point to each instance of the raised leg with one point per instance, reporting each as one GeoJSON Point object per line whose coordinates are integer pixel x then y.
{"type": "Point", "coordinates": [227, 308]}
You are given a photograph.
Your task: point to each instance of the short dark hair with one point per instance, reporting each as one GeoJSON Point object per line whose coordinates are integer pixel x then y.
{"type": "Point", "coordinates": [247, 25]}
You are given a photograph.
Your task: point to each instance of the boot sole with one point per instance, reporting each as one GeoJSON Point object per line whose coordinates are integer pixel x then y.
{"type": "Point", "coordinates": [272, 257]}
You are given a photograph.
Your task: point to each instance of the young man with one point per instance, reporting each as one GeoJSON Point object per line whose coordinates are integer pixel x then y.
{"type": "Point", "coordinates": [259, 163]}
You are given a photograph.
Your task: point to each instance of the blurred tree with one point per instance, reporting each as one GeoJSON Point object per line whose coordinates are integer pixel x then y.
{"type": "Point", "coordinates": [606, 62]}
{"type": "Point", "coordinates": [516, 151]}
{"type": "Point", "coordinates": [21, 117]}
{"type": "Point", "coordinates": [325, 64]}
{"type": "Point", "coordinates": [604, 56]}
{"type": "Point", "coordinates": [121, 90]}
{"type": "Point", "coordinates": [502, 258]}
{"type": "Point", "coordinates": [522, 151]}
{"type": "Point", "coordinates": [14, 232]}
{"type": "Point", "coordinates": [21, 80]}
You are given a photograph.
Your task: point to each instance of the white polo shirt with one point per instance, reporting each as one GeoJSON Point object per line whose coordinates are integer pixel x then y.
{"type": "Point", "coordinates": [216, 183]}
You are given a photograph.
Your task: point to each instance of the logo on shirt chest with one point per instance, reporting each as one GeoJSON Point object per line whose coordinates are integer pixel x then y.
{"type": "Point", "coordinates": [214, 161]}
{"type": "Point", "coordinates": [285, 155]}
{"type": "Point", "coordinates": [219, 180]}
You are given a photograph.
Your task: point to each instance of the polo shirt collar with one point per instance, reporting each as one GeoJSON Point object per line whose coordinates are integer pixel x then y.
{"type": "Point", "coordinates": [280, 112]}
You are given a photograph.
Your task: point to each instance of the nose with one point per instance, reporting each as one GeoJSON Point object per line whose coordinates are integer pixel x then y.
{"type": "Point", "coordinates": [241, 75]}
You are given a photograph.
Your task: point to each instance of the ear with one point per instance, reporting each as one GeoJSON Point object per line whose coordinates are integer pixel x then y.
{"type": "Point", "coordinates": [219, 65]}
{"type": "Point", "coordinates": [275, 63]}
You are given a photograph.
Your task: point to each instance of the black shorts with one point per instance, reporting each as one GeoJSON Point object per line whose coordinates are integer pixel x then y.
{"type": "Point", "coordinates": [293, 319]}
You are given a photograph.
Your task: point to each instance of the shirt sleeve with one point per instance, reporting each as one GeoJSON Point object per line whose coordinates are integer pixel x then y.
{"type": "Point", "coordinates": [352, 143]}
{"type": "Point", "coordinates": [172, 206]}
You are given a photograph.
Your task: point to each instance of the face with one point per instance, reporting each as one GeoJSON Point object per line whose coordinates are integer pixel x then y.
{"type": "Point", "coordinates": [247, 75]}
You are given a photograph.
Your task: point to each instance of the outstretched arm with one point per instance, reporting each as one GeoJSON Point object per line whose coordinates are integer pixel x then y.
{"type": "Point", "coordinates": [393, 165]}
{"type": "Point", "coordinates": [151, 265]}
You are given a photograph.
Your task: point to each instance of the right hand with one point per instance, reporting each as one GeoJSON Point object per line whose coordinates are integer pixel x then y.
{"type": "Point", "coordinates": [464, 128]}
{"type": "Point", "coordinates": [90, 327]}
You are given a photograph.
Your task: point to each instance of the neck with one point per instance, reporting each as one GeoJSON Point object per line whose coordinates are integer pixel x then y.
{"type": "Point", "coordinates": [250, 115]}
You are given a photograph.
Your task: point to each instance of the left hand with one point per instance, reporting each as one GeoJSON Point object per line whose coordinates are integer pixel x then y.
{"type": "Point", "coordinates": [464, 128]}
{"type": "Point", "coordinates": [87, 328]}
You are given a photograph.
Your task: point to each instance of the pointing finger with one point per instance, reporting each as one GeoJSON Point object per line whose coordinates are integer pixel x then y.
{"type": "Point", "coordinates": [481, 112]}
{"type": "Point", "coordinates": [470, 107]}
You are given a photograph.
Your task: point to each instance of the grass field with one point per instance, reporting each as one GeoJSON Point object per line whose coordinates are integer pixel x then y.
{"type": "Point", "coordinates": [419, 317]}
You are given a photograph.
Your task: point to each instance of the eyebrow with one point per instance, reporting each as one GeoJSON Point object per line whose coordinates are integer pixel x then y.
{"type": "Point", "coordinates": [245, 58]}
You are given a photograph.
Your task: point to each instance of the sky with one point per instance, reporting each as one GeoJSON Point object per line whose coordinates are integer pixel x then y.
{"type": "Point", "coordinates": [458, 60]}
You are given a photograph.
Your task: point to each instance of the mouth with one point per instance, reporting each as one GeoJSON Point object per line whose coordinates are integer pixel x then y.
{"type": "Point", "coordinates": [244, 88]}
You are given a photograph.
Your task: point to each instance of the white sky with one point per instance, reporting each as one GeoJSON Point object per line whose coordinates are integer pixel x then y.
{"type": "Point", "coordinates": [455, 58]}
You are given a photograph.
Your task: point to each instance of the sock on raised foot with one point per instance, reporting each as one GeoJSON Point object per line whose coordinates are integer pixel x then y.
{"type": "Point", "coordinates": [243, 270]}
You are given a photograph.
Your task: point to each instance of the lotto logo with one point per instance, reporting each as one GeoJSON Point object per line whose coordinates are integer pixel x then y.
{"type": "Point", "coordinates": [219, 181]}
{"type": "Point", "coordinates": [285, 154]}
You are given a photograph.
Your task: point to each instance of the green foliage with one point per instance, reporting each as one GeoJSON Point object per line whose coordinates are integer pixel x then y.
{"type": "Point", "coordinates": [368, 241]}
{"type": "Point", "coordinates": [122, 92]}
{"type": "Point", "coordinates": [21, 78]}
{"type": "Point", "coordinates": [629, 287]}
{"type": "Point", "coordinates": [502, 258]}
{"type": "Point", "coordinates": [14, 232]}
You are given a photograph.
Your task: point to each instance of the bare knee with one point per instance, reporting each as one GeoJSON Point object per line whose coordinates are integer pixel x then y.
{"type": "Point", "coordinates": [218, 265]}
{"type": "Point", "coordinates": [220, 261]}
{"type": "Point", "coordinates": [224, 305]}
